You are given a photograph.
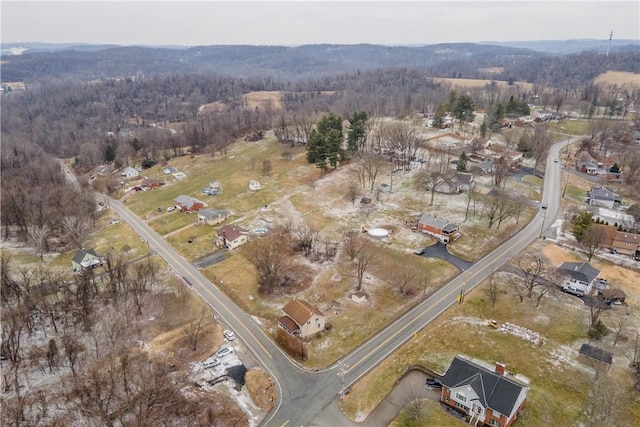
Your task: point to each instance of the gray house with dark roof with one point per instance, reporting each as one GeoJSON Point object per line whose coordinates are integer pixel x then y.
{"type": "Point", "coordinates": [486, 395]}
{"type": "Point", "coordinates": [212, 216]}
{"type": "Point", "coordinates": [604, 197]}
{"type": "Point", "coordinates": [85, 259]}
{"type": "Point", "coordinates": [579, 275]}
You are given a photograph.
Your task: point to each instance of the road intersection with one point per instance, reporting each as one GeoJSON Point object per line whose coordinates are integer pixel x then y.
{"type": "Point", "coordinates": [309, 397]}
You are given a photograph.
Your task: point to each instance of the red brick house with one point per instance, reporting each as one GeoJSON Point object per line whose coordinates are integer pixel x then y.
{"type": "Point", "coordinates": [150, 184]}
{"type": "Point", "coordinates": [188, 204]}
{"type": "Point", "coordinates": [484, 394]}
{"type": "Point", "coordinates": [438, 227]}
{"type": "Point", "coordinates": [626, 243]}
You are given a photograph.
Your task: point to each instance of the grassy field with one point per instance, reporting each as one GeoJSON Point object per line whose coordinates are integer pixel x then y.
{"type": "Point", "coordinates": [560, 386]}
{"type": "Point", "coordinates": [480, 83]}
{"type": "Point", "coordinates": [618, 78]}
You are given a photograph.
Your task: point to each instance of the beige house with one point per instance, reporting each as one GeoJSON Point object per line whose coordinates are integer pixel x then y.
{"type": "Point", "coordinates": [301, 319]}
{"type": "Point", "coordinates": [627, 244]}
{"type": "Point", "coordinates": [231, 236]}
{"type": "Point", "coordinates": [212, 216]}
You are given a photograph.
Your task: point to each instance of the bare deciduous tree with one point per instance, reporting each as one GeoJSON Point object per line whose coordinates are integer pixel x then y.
{"type": "Point", "coordinates": [591, 238]}
{"type": "Point", "coordinates": [78, 229]}
{"type": "Point", "coordinates": [273, 261]}
{"type": "Point", "coordinates": [352, 192]}
{"type": "Point", "coordinates": [364, 257]}
{"type": "Point", "coordinates": [38, 235]}
{"type": "Point", "coordinates": [493, 289]}
{"type": "Point", "coordinates": [193, 330]}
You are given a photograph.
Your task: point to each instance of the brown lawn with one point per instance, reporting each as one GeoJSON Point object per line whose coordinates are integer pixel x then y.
{"type": "Point", "coordinates": [619, 78]}
{"type": "Point", "coordinates": [479, 83]}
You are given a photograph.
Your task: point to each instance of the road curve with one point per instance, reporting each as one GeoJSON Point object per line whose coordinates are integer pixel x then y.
{"type": "Point", "coordinates": [307, 397]}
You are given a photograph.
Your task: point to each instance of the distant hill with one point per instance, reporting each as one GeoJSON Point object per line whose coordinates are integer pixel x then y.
{"type": "Point", "coordinates": [90, 61]}
{"type": "Point", "coordinates": [562, 47]}
{"type": "Point", "coordinates": [45, 63]}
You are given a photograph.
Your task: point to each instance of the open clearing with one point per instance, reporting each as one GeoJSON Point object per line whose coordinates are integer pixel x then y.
{"type": "Point", "coordinates": [618, 78]}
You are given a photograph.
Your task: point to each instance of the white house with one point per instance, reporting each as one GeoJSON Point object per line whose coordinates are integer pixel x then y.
{"type": "Point", "coordinates": [130, 172]}
{"type": "Point", "coordinates": [580, 276]}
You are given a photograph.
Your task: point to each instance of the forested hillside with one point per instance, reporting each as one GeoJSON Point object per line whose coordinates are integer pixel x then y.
{"type": "Point", "coordinates": [462, 60]}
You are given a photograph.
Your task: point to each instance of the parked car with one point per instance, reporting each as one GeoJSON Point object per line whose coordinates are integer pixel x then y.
{"type": "Point", "coordinates": [420, 251]}
{"type": "Point", "coordinates": [229, 335]}
{"type": "Point", "coordinates": [544, 206]}
{"type": "Point", "coordinates": [224, 351]}
{"type": "Point", "coordinates": [573, 290]}
{"type": "Point", "coordinates": [211, 363]}
{"type": "Point", "coordinates": [171, 208]}
{"type": "Point", "coordinates": [433, 383]}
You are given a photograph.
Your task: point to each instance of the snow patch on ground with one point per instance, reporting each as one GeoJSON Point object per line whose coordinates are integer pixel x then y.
{"type": "Point", "coordinates": [202, 376]}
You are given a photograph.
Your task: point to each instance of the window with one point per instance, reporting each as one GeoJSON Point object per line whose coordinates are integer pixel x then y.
{"type": "Point", "coordinates": [494, 423]}
{"type": "Point", "coordinates": [461, 406]}
{"type": "Point", "coordinates": [461, 397]}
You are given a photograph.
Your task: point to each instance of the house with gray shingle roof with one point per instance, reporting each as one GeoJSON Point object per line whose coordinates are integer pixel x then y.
{"type": "Point", "coordinates": [85, 259]}
{"type": "Point", "coordinates": [188, 204]}
{"type": "Point", "coordinates": [212, 216]}
{"type": "Point", "coordinates": [579, 275]}
{"type": "Point", "coordinates": [602, 196]}
{"type": "Point", "coordinates": [438, 227]}
{"type": "Point", "coordinates": [452, 182]}
{"type": "Point", "coordinates": [486, 395]}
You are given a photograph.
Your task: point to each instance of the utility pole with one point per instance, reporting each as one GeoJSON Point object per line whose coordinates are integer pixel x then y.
{"type": "Point", "coordinates": [544, 217]}
{"type": "Point", "coordinates": [609, 47]}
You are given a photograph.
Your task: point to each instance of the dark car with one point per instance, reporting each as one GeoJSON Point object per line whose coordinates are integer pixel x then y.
{"type": "Point", "coordinates": [433, 383]}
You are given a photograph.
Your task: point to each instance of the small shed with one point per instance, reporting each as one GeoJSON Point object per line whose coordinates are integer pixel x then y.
{"type": "Point", "coordinates": [359, 297]}
{"type": "Point", "coordinates": [595, 357]}
{"type": "Point", "coordinates": [612, 295]}
{"type": "Point", "coordinates": [254, 185]}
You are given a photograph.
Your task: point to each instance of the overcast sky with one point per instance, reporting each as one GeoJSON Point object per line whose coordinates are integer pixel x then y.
{"type": "Point", "coordinates": [312, 22]}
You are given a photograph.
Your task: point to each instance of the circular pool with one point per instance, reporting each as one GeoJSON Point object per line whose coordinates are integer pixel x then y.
{"type": "Point", "coordinates": [378, 232]}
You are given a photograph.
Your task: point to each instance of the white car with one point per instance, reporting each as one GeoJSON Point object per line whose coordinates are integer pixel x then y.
{"type": "Point", "coordinates": [229, 335]}
{"type": "Point", "coordinates": [171, 208]}
{"type": "Point", "coordinates": [224, 351]}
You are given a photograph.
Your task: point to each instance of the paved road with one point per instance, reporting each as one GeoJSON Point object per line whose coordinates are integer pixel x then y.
{"type": "Point", "coordinates": [310, 398]}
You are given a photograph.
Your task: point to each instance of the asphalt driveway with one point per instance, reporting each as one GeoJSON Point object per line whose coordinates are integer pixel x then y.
{"type": "Point", "coordinates": [409, 388]}
{"type": "Point", "coordinates": [439, 250]}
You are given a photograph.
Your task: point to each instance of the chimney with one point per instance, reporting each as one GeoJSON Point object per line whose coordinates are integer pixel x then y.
{"type": "Point", "coordinates": [500, 368]}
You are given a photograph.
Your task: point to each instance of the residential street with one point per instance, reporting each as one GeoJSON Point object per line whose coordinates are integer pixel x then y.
{"type": "Point", "coordinates": [310, 398]}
